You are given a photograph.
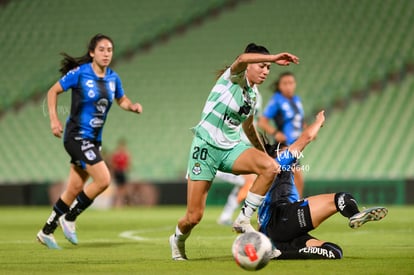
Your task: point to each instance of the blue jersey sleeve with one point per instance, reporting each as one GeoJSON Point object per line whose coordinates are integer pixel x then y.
{"type": "Point", "coordinates": [271, 108]}
{"type": "Point", "coordinates": [70, 80]}
{"type": "Point", "coordinates": [119, 91]}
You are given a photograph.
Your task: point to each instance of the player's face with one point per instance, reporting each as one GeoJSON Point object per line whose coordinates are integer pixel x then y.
{"type": "Point", "coordinates": [102, 55]}
{"type": "Point", "coordinates": [258, 72]}
{"type": "Point", "coordinates": [287, 85]}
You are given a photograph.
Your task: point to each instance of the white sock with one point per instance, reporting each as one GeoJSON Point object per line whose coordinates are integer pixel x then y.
{"type": "Point", "coordinates": [231, 205]}
{"type": "Point", "coordinates": [179, 235]}
{"type": "Point", "coordinates": [251, 203]}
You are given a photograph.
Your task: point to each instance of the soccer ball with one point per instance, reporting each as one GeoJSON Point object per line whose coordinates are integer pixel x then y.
{"type": "Point", "coordinates": [252, 250]}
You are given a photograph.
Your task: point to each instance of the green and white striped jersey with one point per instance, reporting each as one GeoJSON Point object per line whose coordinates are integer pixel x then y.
{"type": "Point", "coordinates": [231, 101]}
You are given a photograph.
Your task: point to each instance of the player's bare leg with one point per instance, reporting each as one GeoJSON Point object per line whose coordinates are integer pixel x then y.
{"type": "Point", "coordinates": [196, 203]}
{"type": "Point", "coordinates": [101, 180]}
{"type": "Point", "coordinates": [76, 180]}
{"type": "Point", "coordinates": [324, 206]}
{"type": "Point", "coordinates": [259, 163]}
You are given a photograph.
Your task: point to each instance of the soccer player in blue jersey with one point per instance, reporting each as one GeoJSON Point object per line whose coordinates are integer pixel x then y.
{"type": "Point", "coordinates": [286, 111]}
{"type": "Point", "coordinates": [286, 219]}
{"type": "Point", "coordinates": [94, 87]}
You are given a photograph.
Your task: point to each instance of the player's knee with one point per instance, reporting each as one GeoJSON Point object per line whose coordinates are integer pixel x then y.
{"type": "Point", "coordinates": [194, 217]}
{"type": "Point", "coordinates": [74, 189]}
{"type": "Point", "coordinates": [103, 181]}
{"type": "Point", "coordinates": [269, 169]}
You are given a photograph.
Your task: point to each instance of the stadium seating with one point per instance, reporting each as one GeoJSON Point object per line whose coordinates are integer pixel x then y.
{"type": "Point", "coordinates": [35, 32]}
{"type": "Point", "coordinates": [343, 46]}
{"type": "Point", "coordinates": [370, 139]}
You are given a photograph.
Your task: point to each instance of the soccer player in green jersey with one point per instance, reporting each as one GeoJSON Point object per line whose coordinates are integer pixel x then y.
{"type": "Point", "coordinates": [217, 146]}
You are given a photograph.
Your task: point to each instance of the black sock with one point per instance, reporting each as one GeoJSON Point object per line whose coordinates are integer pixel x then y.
{"type": "Point", "coordinates": [334, 249]}
{"type": "Point", "coordinates": [59, 209]}
{"type": "Point", "coordinates": [346, 204]}
{"type": "Point", "coordinates": [82, 202]}
{"type": "Point", "coordinates": [328, 251]}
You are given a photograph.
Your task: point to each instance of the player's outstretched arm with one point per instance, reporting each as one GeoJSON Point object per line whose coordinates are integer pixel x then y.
{"type": "Point", "coordinates": [126, 104]}
{"type": "Point", "coordinates": [308, 134]}
{"type": "Point", "coordinates": [282, 59]}
{"type": "Point", "coordinates": [55, 125]}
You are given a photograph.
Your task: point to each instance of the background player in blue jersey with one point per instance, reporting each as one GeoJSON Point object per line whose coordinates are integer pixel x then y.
{"type": "Point", "coordinates": [286, 111]}
{"type": "Point", "coordinates": [94, 87]}
{"type": "Point", "coordinates": [286, 219]}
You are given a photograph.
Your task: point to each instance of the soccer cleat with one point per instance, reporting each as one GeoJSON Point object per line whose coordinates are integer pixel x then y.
{"type": "Point", "coordinates": [47, 240]}
{"type": "Point", "coordinates": [275, 253]}
{"type": "Point", "coordinates": [242, 226]}
{"type": "Point", "coordinates": [69, 230]}
{"type": "Point", "coordinates": [370, 214]}
{"type": "Point", "coordinates": [177, 249]}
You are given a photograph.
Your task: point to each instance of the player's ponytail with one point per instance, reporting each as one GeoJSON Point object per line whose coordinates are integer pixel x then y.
{"type": "Point", "coordinates": [250, 48]}
{"type": "Point", "coordinates": [275, 85]}
{"type": "Point", "coordinates": [69, 62]}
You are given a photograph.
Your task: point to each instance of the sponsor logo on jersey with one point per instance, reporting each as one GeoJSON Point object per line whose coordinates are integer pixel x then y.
{"type": "Point", "coordinates": [101, 105]}
{"type": "Point", "coordinates": [96, 122]}
{"type": "Point", "coordinates": [86, 144]}
{"type": "Point", "coordinates": [196, 169]}
{"type": "Point", "coordinates": [230, 120]}
{"type": "Point", "coordinates": [89, 83]}
{"type": "Point", "coordinates": [90, 154]}
{"type": "Point", "coordinates": [112, 86]}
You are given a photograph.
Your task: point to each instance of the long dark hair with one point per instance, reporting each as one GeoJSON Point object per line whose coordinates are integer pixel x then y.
{"type": "Point", "coordinates": [275, 85]}
{"type": "Point", "coordinates": [69, 62]}
{"type": "Point", "coordinates": [250, 48]}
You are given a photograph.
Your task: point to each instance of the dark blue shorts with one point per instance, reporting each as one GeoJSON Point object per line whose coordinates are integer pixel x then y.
{"type": "Point", "coordinates": [83, 151]}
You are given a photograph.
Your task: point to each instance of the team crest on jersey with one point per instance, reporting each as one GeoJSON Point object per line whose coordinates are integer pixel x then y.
{"type": "Point", "coordinates": [112, 86]}
{"type": "Point", "coordinates": [90, 155]}
{"type": "Point", "coordinates": [196, 169]}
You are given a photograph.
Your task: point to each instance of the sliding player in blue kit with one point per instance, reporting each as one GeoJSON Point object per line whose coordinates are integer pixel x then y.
{"type": "Point", "coordinates": [286, 219]}
{"type": "Point", "coordinates": [94, 87]}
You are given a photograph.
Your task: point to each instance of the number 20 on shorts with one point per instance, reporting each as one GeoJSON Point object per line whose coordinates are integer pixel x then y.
{"type": "Point", "coordinates": [200, 153]}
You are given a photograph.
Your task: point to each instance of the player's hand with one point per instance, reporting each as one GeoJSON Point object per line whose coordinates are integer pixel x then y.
{"type": "Point", "coordinates": [136, 108]}
{"type": "Point", "coordinates": [280, 137]}
{"type": "Point", "coordinates": [284, 59]}
{"type": "Point", "coordinates": [57, 128]}
{"type": "Point", "coordinates": [320, 118]}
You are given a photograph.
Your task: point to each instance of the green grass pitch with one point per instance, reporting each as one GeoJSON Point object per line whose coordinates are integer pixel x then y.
{"type": "Point", "coordinates": [384, 247]}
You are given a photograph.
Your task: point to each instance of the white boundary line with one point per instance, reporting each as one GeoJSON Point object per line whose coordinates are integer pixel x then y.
{"type": "Point", "coordinates": [137, 235]}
